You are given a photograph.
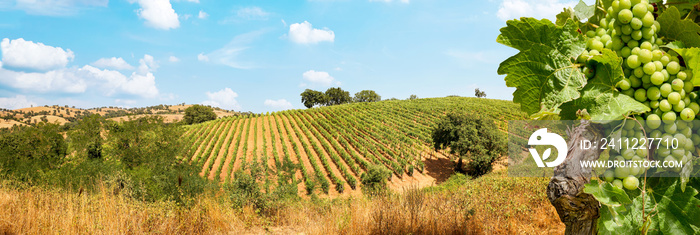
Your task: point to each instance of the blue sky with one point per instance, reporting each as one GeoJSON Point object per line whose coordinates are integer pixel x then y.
{"type": "Point", "coordinates": [250, 55]}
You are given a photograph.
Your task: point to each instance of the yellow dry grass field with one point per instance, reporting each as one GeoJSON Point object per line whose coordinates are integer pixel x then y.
{"type": "Point", "coordinates": [169, 118]}
{"type": "Point", "coordinates": [9, 123]}
{"type": "Point", "coordinates": [50, 119]}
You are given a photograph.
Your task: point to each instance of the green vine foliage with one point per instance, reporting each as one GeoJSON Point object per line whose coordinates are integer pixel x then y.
{"type": "Point", "coordinates": [550, 85]}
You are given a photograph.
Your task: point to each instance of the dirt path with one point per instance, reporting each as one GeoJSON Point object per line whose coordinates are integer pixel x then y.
{"type": "Point", "coordinates": [217, 140]}
{"type": "Point", "coordinates": [260, 149]}
{"type": "Point", "coordinates": [200, 149]}
{"type": "Point", "coordinates": [240, 153]}
{"type": "Point", "coordinates": [231, 154]}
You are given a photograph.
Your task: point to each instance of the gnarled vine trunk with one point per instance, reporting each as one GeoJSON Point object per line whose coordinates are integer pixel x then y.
{"type": "Point", "coordinates": [578, 210]}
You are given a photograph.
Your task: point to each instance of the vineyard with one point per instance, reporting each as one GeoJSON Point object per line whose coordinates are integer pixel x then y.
{"type": "Point", "coordinates": [333, 146]}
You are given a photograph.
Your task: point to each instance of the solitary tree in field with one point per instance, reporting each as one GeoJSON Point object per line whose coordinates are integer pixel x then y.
{"type": "Point", "coordinates": [310, 98]}
{"type": "Point", "coordinates": [479, 93]}
{"type": "Point", "coordinates": [336, 96]}
{"type": "Point", "coordinates": [412, 97]}
{"type": "Point", "coordinates": [198, 114]}
{"type": "Point", "coordinates": [367, 96]}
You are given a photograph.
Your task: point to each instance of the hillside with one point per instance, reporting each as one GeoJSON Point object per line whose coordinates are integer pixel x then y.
{"type": "Point", "coordinates": [334, 145]}
{"type": "Point", "coordinates": [66, 114]}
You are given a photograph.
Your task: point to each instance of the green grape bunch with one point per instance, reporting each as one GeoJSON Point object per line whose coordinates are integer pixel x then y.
{"type": "Point", "coordinates": [654, 77]}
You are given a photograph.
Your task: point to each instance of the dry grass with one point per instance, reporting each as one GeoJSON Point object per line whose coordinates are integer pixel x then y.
{"type": "Point", "coordinates": [493, 204]}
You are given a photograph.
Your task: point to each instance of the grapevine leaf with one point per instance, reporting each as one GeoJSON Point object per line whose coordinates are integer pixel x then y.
{"type": "Point", "coordinates": [685, 173]}
{"type": "Point", "coordinates": [691, 56]}
{"type": "Point", "coordinates": [675, 45]}
{"type": "Point", "coordinates": [677, 211]}
{"type": "Point", "coordinates": [543, 72]}
{"type": "Point", "coordinates": [607, 194]}
{"type": "Point", "coordinates": [598, 14]}
{"type": "Point", "coordinates": [673, 28]}
{"type": "Point", "coordinates": [584, 11]}
{"type": "Point", "coordinates": [600, 96]}
{"type": "Point", "coordinates": [564, 16]}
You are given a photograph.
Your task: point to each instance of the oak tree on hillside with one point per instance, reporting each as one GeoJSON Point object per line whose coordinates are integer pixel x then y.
{"type": "Point", "coordinates": [336, 96]}
{"type": "Point", "coordinates": [310, 98]}
{"type": "Point", "coordinates": [367, 96]}
{"type": "Point", "coordinates": [198, 114]}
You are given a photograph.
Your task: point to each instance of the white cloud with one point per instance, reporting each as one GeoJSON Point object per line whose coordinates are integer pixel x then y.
{"type": "Point", "coordinates": [252, 13]}
{"type": "Point", "coordinates": [57, 7]}
{"type": "Point", "coordinates": [61, 80]}
{"type": "Point", "coordinates": [281, 104]}
{"type": "Point", "coordinates": [304, 33]}
{"type": "Point", "coordinates": [173, 59]}
{"type": "Point", "coordinates": [113, 82]}
{"type": "Point", "coordinates": [147, 64]}
{"type": "Point", "coordinates": [514, 9]}
{"type": "Point", "coordinates": [319, 78]}
{"type": "Point", "coordinates": [113, 63]}
{"type": "Point", "coordinates": [158, 14]}
{"type": "Point", "coordinates": [202, 15]}
{"type": "Point", "coordinates": [17, 102]}
{"type": "Point", "coordinates": [37, 56]}
{"type": "Point", "coordinates": [225, 99]}
{"type": "Point", "coordinates": [202, 57]}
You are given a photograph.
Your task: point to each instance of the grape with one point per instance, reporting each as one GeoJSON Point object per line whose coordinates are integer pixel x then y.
{"type": "Point", "coordinates": [624, 84]}
{"type": "Point", "coordinates": [653, 93]}
{"type": "Point", "coordinates": [657, 78]}
{"type": "Point", "coordinates": [597, 45]}
{"type": "Point", "coordinates": [673, 67]}
{"type": "Point", "coordinates": [640, 95]}
{"type": "Point", "coordinates": [682, 75]}
{"type": "Point", "coordinates": [631, 183]}
{"type": "Point", "coordinates": [609, 175]}
{"type": "Point", "coordinates": [625, 4]}
{"type": "Point", "coordinates": [668, 117]}
{"type": "Point", "coordinates": [645, 56]}
{"type": "Point", "coordinates": [625, 51]}
{"type": "Point", "coordinates": [659, 66]}
{"type": "Point", "coordinates": [625, 15]}
{"type": "Point", "coordinates": [633, 62]}
{"type": "Point", "coordinates": [677, 84]}
{"type": "Point", "coordinates": [665, 106]}
{"type": "Point", "coordinates": [639, 10]}
{"type": "Point", "coordinates": [622, 172]}
{"type": "Point", "coordinates": [636, 23]}
{"type": "Point", "coordinates": [670, 128]}
{"type": "Point", "coordinates": [648, 33]}
{"type": "Point", "coordinates": [679, 107]}
{"type": "Point", "coordinates": [646, 45]}
{"type": "Point", "coordinates": [638, 72]}
{"type": "Point", "coordinates": [637, 35]}
{"type": "Point", "coordinates": [635, 82]}
{"type": "Point", "coordinates": [674, 98]}
{"type": "Point", "coordinates": [665, 89]}
{"type": "Point", "coordinates": [695, 107]}
{"type": "Point", "coordinates": [653, 121]}
{"type": "Point", "coordinates": [688, 114]}
{"type": "Point", "coordinates": [617, 183]}
{"type": "Point", "coordinates": [649, 68]}
{"type": "Point", "coordinates": [590, 34]}
{"type": "Point", "coordinates": [648, 21]}
{"type": "Point", "coordinates": [626, 29]}
{"type": "Point", "coordinates": [654, 104]}
{"type": "Point", "coordinates": [657, 55]}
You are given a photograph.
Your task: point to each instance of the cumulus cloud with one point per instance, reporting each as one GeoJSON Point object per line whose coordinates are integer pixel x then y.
{"type": "Point", "coordinates": [17, 102]}
{"type": "Point", "coordinates": [61, 80]}
{"type": "Point", "coordinates": [147, 64]}
{"type": "Point", "coordinates": [202, 15]}
{"type": "Point", "coordinates": [202, 57]}
{"type": "Point", "coordinates": [225, 99]}
{"type": "Point", "coordinates": [158, 14]}
{"type": "Point", "coordinates": [113, 63]}
{"type": "Point", "coordinates": [23, 54]}
{"type": "Point", "coordinates": [514, 9]}
{"type": "Point", "coordinates": [281, 104]}
{"type": "Point", "coordinates": [57, 7]}
{"type": "Point", "coordinates": [319, 78]}
{"type": "Point", "coordinates": [304, 33]}
{"type": "Point", "coordinates": [113, 82]}
{"type": "Point", "coordinates": [173, 59]}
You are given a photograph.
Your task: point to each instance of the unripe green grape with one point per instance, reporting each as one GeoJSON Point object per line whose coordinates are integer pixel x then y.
{"type": "Point", "coordinates": [696, 139]}
{"type": "Point", "coordinates": [605, 38]}
{"type": "Point", "coordinates": [655, 134]}
{"type": "Point", "coordinates": [645, 56]}
{"type": "Point", "coordinates": [653, 121]}
{"type": "Point", "coordinates": [640, 95]}
{"type": "Point", "coordinates": [635, 82]}
{"type": "Point", "coordinates": [638, 72]}
{"type": "Point", "coordinates": [635, 49]}
{"type": "Point", "coordinates": [590, 34]}
{"type": "Point", "coordinates": [646, 45]}
{"type": "Point", "coordinates": [665, 106]}
{"type": "Point", "coordinates": [597, 45]}
{"type": "Point", "coordinates": [659, 66]}
{"type": "Point", "coordinates": [603, 23]}
{"type": "Point", "coordinates": [649, 68]}
{"type": "Point", "coordinates": [682, 75]}
{"type": "Point", "coordinates": [673, 67]}
{"type": "Point", "coordinates": [674, 98]}
{"type": "Point", "coordinates": [628, 154]}
{"type": "Point", "coordinates": [648, 33]}
{"type": "Point", "coordinates": [627, 72]}
{"type": "Point", "coordinates": [695, 107]}
{"type": "Point", "coordinates": [646, 79]}
{"type": "Point", "coordinates": [665, 89]}
{"type": "Point", "coordinates": [673, 58]}
{"type": "Point", "coordinates": [686, 100]}
{"type": "Point", "coordinates": [654, 104]}
{"type": "Point", "coordinates": [668, 117]}
{"type": "Point", "coordinates": [682, 125]}
{"type": "Point", "coordinates": [624, 84]}
{"type": "Point", "coordinates": [622, 172]}
{"type": "Point", "coordinates": [590, 73]}
{"type": "Point", "coordinates": [677, 84]}
{"type": "Point", "coordinates": [600, 32]}
{"type": "Point", "coordinates": [688, 114]}
{"type": "Point", "coordinates": [630, 183]}
{"type": "Point", "coordinates": [679, 107]}
{"type": "Point", "coordinates": [625, 15]}
{"type": "Point", "coordinates": [657, 78]}
{"type": "Point", "coordinates": [666, 75]}
{"type": "Point", "coordinates": [618, 183]}
{"type": "Point", "coordinates": [653, 93]}
{"type": "Point", "coordinates": [657, 54]}
{"type": "Point", "coordinates": [650, 8]}
{"type": "Point", "coordinates": [682, 93]}
{"type": "Point", "coordinates": [670, 128]}
{"type": "Point", "coordinates": [628, 92]}
{"type": "Point", "coordinates": [593, 52]}
{"type": "Point", "coordinates": [617, 44]}
{"type": "Point", "coordinates": [633, 62]}
{"type": "Point", "coordinates": [636, 23]}
{"type": "Point", "coordinates": [637, 35]}
{"type": "Point", "coordinates": [656, 23]}
{"type": "Point", "coordinates": [609, 175]}
{"type": "Point", "coordinates": [665, 60]}
{"type": "Point", "coordinates": [658, 42]}
{"type": "Point", "coordinates": [639, 10]}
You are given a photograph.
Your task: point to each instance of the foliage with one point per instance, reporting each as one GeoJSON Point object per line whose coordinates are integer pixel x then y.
{"type": "Point", "coordinates": [412, 97]}
{"type": "Point", "coordinates": [336, 96]}
{"type": "Point", "coordinates": [473, 137]}
{"type": "Point", "coordinates": [86, 136]}
{"type": "Point", "coordinates": [374, 180]}
{"type": "Point", "coordinates": [367, 96]}
{"type": "Point", "coordinates": [26, 152]}
{"type": "Point", "coordinates": [311, 98]}
{"type": "Point", "coordinates": [479, 93]}
{"type": "Point", "coordinates": [198, 114]}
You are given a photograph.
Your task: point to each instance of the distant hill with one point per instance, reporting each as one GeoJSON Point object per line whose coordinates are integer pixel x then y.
{"type": "Point", "coordinates": [334, 145]}
{"type": "Point", "coordinates": [65, 114]}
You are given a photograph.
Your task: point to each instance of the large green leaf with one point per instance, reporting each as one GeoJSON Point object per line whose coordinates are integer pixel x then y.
{"type": "Point", "coordinates": [677, 212]}
{"type": "Point", "coordinates": [600, 97]}
{"type": "Point", "coordinates": [584, 11]}
{"type": "Point", "coordinates": [691, 56]}
{"type": "Point", "coordinates": [607, 194]}
{"type": "Point", "coordinates": [543, 72]}
{"type": "Point", "coordinates": [675, 28]}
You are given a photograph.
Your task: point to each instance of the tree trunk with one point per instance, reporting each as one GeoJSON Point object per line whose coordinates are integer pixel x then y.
{"type": "Point", "coordinates": [578, 210]}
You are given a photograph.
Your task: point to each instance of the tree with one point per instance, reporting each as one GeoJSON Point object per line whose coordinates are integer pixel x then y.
{"type": "Point", "coordinates": [412, 97]}
{"type": "Point", "coordinates": [198, 114]}
{"type": "Point", "coordinates": [470, 136]}
{"type": "Point", "coordinates": [336, 96]}
{"type": "Point", "coordinates": [86, 136]}
{"type": "Point", "coordinates": [479, 93]}
{"type": "Point", "coordinates": [310, 98]}
{"type": "Point", "coordinates": [367, 96]}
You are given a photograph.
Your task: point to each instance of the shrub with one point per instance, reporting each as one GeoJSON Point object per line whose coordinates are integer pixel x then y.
{"type": "Point", "coordinates": [374, 180]}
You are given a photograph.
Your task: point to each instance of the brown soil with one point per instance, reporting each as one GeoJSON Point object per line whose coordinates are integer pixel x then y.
{"type": "Point", "coordinates": [243, 140]}
{"type": "Point", "coordinates": [267, 146]}
{"type": "Point", "coordinates": [225, 170]}
{"type": "Point", "coordinates": [226, 144]}
{"type": "Point", "coordinates": [250, 155]}
{"type": "Point", "coordinates": [303, 158]}
{"type": "Point", "coordinates": [210, 158]}
{"type": "Point", "coordinates": [204, 147]}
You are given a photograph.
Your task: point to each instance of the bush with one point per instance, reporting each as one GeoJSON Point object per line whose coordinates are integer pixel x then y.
{"type": "Point", "coordinates": [198, 114]}
{"type": "Point", "coordinates": [374, 180]}
{"type": "Point", "coordinates": [473, 137]}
